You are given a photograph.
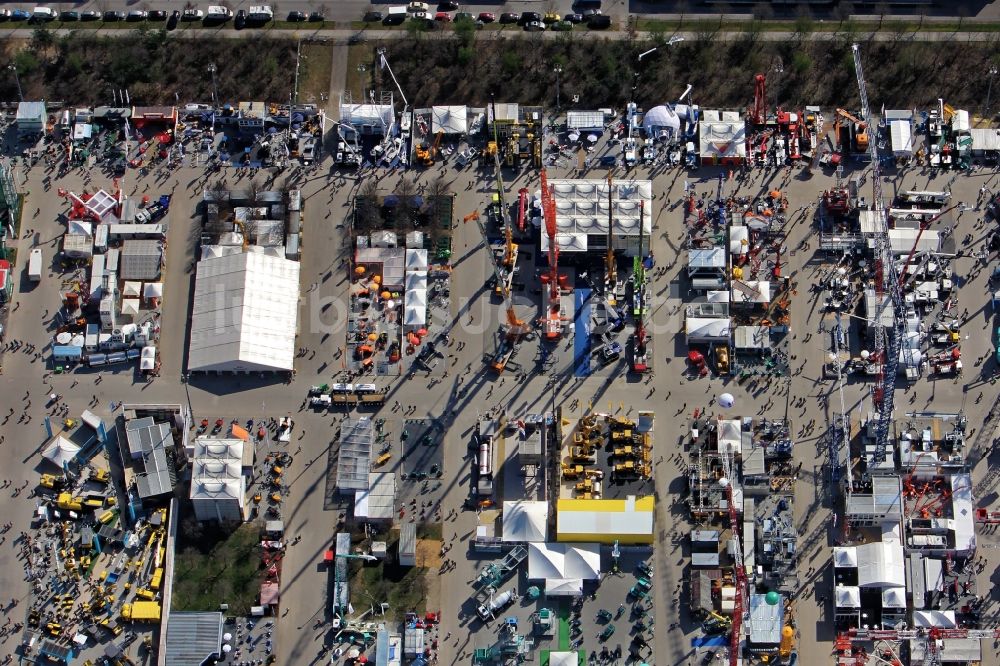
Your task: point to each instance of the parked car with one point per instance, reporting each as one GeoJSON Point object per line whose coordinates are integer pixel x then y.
{"type": "Point", "coordinates": [296, 17]}
{"type": "Point", "coordinates": [534, 26]}
{"type": "Point", "coordinates": [240, 21]}
{"type": "Point", "coordinates": [464, 16]}
{"type": "Point", "coordinates": [90, 15]}
{"type": "Point", "coordinates": [157, 15]}
{"type": "Point", "coordinates": [421, 16]}
{"type": "Point", "coordinates": [192, 15]}
{"type": "Point", "coordinates": [4, 14]}
{"type": "Point", "coordinates": [137, 15]}
{"type": "Point", "coordinates": [599, 22]}
{"type": "Point", "coordinates": [68, 16]}
{"type": "Point", "coordinates": [550, 17]}
{"type": "Point", "coordinates": [447, 6]}
{"type": "Point", "coordinates": [510, 17]}
{"type": "Point", "coordinates": [415, 7]}
{"type": "Point", "coordinates": [486, 17]}
{"type": "Point", "coordinates": [373, 17]}
{"type": "Point", "coordinates": [573, 18]}
{"type": "Point", "coordinates": [443, 17]}
{"type": "Point", "coordinates": [529, 17]}
{"type": "Point", "coordinates": [394, 19]}
{"type": "Point", "coordinates": [19, 15]}
{"type": "Point", "coordinates": [316, 17]}
{"type": "Point", "coordinates": [112, 16]}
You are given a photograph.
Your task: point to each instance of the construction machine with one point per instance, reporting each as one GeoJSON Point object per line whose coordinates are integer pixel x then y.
{"type": "Point", "coordinates": [553, 306]}
{"type": "Point", "coordinates": [859, 130]}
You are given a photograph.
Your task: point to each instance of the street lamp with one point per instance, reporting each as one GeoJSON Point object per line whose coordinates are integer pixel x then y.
{"type": "Point", "coordinates": [989, 90]}
{"type": "Point", "coordinates": [212, 69]}
{"type": "Point", "coordinates": [12, 67]}
{"type": "Point", "coordinates": [779, 69]}
{"type": "Point", "coordinates": [558, 70]}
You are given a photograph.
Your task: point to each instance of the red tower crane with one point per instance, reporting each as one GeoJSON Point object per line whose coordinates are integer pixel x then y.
{"type": "Point", "coordinates": [553, 309]}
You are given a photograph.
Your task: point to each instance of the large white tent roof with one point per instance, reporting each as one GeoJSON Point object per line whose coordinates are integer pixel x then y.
{"type": "Point", "coordinates": [449, 119]}
{"type": "Point", "coordinates": [61, 451]}
{"type": "Point", "coordinates": [880, 565]}
{"type": "Point", "coordinates": [722, 138]}
{"type": "Point", "coordinates": [525, 521]}
{"type": "Point", "coordinates": [245, 313]}
{"type": "Point", "coordinates": [416, 260]}
{"type": "Point", "coordinates": [563, 658]}
{"type": "Point", "coordinates": [582, 208]}
{"type": "Point", "coordinates": [562, 560]}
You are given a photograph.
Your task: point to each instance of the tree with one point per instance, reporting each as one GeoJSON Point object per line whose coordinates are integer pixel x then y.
{"type": "Point", "coordinates": [42, 39]}
{"type": "Point", "coordinates": [405, 190]}
{"type": "Point", "coordinates": [366, 210]}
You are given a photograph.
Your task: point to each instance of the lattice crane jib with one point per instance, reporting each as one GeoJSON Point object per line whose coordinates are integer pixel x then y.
{"type": "Point", "coordinates": [888, 291]}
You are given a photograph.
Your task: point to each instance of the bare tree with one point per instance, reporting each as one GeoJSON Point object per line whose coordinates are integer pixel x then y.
{"type": "Point", "coordinates": [366, 209]}
{"type": "Point", "coordinates": [405, 190]}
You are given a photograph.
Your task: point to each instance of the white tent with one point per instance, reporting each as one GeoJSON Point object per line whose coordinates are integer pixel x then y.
{"type": "Point", "coordinates": [563, 658]}
{"type": "Point", "coordinates": [79, 228]}
{"type": "Point", "coordinates": [730, 436]}
{"type": "Point", "coordinates": [722, 141]}
{"type": "Point", "coordinates": [416, 260]}
{"type": "Point", "coordinates": [845, 557]}
{"type": "Point", "coordinates": [525, 521]}
{"type": "Point", "coordinates": [449, 119]}
{"type": "Point", "coordinates": [661, 119]}
{"type": "Point", "coordinates": [707, 329]}
{"type": "Point", "coordinates": [153, 290]}
{"type": "Point", "coordinates": [61, 451]}
{"type": "Point", "coordinates": [900, 133]}
{"type": "Point", "coordinates": [130, 307]}
{"type": "Point", "coordinates": [132, 289]}
{"type": "Point", "coordinates": [880, 565]}
{"type": "Point", "coordinates": [563, 587]}
{"type": "Point", "coordinates": [416, 298]}
{"type": "Point", "coordinates": [416, 280]}
{"type": "Point", "coordinates": [847, 596]}
{"type": "Point", "coordinates": [244, 314]}
{"type": "Point", "coordinates": [934, 618]}
{"type": "Point", "coordinates": [894, 597]}
{"type": "Point", "coordinates": [548, 561]}
{"type": "Point", "coordinates": [147, 358]}
{"type": "Point", "coordinates": [414, 316]}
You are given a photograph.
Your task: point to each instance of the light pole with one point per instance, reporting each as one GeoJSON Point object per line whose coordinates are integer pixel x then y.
{"type": "Point", "coordinates": [12, 67]}
{"type": "Point", "coordinates": [989, 91]}
{"type": "Point", "coordinates": [779, 69]}
{"type": "Point", "coordinates": [558, 70]}
{"type": "Point", "coordinates": [362, 68]}
{"type": "Point", "coordinates": [212, 69]}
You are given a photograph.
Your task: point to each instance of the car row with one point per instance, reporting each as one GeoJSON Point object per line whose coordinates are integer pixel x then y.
{"type": "Point", "coordinates": [531, 21]}
{"type": "Point", "coordinates": [216, 14]}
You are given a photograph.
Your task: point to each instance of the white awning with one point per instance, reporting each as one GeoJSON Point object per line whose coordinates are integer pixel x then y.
{"type": "Point", "coordinates": [934, 618]}
{"type": "Point", "coordinates": [900, 132]}
{"type": "Point", "coordinates": [894, 597]}
{"type": "Point", "coordinates": [880, 565]}
{"type": "Point", "coordinates": [153, 290]}
{"type": "Point", "coordinates": [130, 307]}
{"type": "Point", "coordinates": [563, 587]}
{"type": "Point", "coordinates": [416, 280]}
{"type": "Point", "coordinates": [132, 289]}
{"type": "Point", "coordinates": [416, 260]}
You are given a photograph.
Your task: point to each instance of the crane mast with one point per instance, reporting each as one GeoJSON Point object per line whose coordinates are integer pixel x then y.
{"type": "Point", "coordinates": [886, 284]}
{"type": "Point", "coordinates": [553, 314]}
{"type": "Point", "coordinates": [611, 275]}
{"type": "Point", "coordinates": [741, 604]}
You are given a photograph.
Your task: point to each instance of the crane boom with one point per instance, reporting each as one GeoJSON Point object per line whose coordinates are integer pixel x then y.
{"type": "Point", "coordinates": [886, 282]}
{"type": "Point", "coordinates": [553, 314]}
{"type": "Point", "coordinates": [740, 605]}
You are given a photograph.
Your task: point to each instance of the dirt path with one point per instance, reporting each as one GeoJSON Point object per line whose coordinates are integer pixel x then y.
{"type": "Point", "coordinates": [338, 79]}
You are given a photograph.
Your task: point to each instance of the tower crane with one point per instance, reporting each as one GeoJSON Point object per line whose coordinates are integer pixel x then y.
{"type": "Point", "coordinates": [553, 306]}
{"type": "Point", "coordinates": [741, 602]}
{"type": "Point", "coordinates": [886, 281]}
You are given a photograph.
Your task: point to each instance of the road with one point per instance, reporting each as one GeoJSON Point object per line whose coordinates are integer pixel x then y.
{"type": "Point", "coordinates": [310, 514]}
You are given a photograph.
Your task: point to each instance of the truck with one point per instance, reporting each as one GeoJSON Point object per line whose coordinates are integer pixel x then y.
{"type": "Point", "coordinates": [218, 13]}
{"type": "Point", "coordinates": [496, 604]}
{"type": "Point", "coordinates": [35, 265]}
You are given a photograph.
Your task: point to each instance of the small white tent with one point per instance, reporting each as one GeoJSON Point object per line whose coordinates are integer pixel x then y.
{"type": "Point", "coordinates": [61, 451]}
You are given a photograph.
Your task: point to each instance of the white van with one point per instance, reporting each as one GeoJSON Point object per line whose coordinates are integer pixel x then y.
{"type": "Point", "coordinates": [35, 265]}
{"type": "Point", "coordinates": [218, 13]}
{"type": "Point", "coordinates": [260, 13]}
{"type": "Point", "coordinates": [43, 14]}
